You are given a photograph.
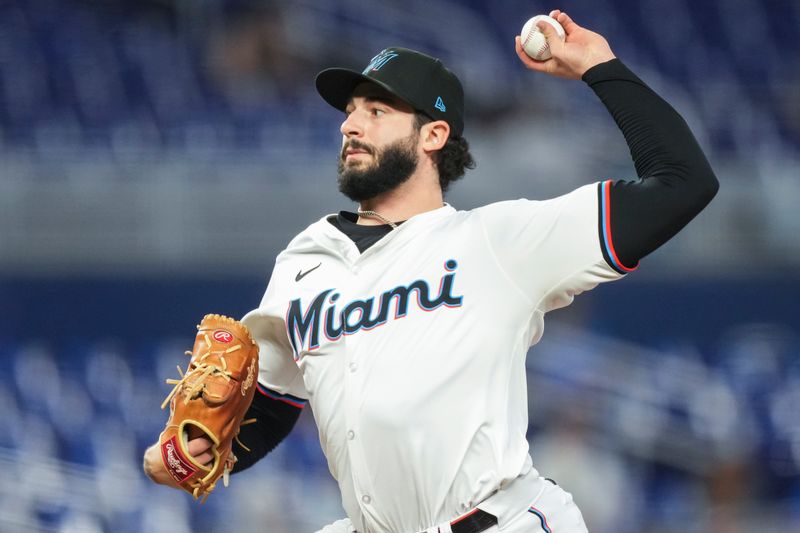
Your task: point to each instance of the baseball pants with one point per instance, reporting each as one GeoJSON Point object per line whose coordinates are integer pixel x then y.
{"type": "Point", "coordinates": [551, 511]}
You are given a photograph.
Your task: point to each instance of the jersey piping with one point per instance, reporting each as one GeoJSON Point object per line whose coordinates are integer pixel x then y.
{"type": "Point", "coordinates": [285, 398]}
{"type": "Point", "coordinates": [604, 228]}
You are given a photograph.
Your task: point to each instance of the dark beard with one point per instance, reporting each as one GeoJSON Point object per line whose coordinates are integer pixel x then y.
{"type": "Point", "coordinates": [392, 167]}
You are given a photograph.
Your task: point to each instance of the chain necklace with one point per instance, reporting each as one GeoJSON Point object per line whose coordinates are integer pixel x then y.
{"type": "Point", "coordinates": [377, 215]}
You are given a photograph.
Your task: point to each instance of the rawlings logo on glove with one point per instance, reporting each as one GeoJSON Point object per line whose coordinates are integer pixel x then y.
{"type": "Point", "coordinates": [177, 465]}
{"type": "Point", "coordinates": [210, 399]}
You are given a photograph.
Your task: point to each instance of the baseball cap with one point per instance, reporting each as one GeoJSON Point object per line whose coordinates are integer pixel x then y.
{"type": "Point", "coordinates": [418, 79]}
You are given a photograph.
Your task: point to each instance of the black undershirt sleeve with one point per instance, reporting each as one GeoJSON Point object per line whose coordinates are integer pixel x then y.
{"type": "Point", "coordinates": [675, 180]}
{"type": "Point", "coordinates": [274, 420]}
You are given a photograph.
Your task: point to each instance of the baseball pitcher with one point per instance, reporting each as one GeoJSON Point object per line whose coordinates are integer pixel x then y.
{"type": "Point", "coordinates": [405, 325]}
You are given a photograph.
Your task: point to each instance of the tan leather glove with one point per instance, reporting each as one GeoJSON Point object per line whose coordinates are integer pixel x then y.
{"type": "Point", "coordinates": [211, 398]}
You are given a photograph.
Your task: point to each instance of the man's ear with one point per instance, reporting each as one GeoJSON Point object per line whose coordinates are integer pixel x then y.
{"type": "Point", "coordinates": [434, 135]}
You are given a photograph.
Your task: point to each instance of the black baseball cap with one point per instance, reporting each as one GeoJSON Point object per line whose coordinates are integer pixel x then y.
{"type": "Point", "coordinates": [418, 79]}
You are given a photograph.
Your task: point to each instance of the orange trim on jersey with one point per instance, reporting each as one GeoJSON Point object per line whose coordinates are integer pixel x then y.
{"type": "Point", "coordinates": [285, 398]}
{"type": "Point", "coordinates": [609, 244]}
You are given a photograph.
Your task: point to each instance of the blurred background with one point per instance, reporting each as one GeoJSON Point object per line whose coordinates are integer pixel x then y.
{"type": "Point", "coordinates": [156, 156]}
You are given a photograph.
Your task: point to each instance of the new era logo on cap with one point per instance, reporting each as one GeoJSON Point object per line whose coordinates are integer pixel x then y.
{"type": "Point", "coordinates": [418, 79]}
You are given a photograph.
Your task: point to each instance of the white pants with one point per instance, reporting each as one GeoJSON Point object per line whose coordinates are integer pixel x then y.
{"type": "Point", "coordinates": [550, 511]}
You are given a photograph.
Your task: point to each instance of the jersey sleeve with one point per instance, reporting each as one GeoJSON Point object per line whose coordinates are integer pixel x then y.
{"type": "Point", "coordinates": [279, 376]}
{"type": "Point", "coordinates": [553, 250]}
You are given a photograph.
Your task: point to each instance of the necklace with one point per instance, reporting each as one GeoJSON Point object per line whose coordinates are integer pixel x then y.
{"type": "Point", "coordinates": [377, 215]}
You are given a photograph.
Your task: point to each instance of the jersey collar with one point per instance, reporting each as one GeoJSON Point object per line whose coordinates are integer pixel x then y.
{"type": "Point", "coordinates": [331, 238]}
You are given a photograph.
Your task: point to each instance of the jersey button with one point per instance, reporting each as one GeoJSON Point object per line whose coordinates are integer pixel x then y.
{"type": "Point", "coordinates": [366, 499]}
{"type": "Point", "coordinates": [351, 435]}
{"type": "Point", "coordinates": [353, 367]}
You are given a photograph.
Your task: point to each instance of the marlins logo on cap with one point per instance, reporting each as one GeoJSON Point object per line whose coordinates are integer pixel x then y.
{"type": "Point", "coordinates": [380, 60]}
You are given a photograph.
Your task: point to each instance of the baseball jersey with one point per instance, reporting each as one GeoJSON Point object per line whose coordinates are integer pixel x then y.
{"type": "Point", "coordinates": [412, 354]}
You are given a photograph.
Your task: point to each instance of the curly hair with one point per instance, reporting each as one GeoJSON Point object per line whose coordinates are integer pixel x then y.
{"type": "Point", "coordinates": [453, 159]}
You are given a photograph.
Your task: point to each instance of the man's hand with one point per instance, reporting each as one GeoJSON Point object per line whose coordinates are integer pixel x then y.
{"type": "Point", "coordinates": [581, 50]}
{"type": "Point", "coordinates": [199, 448]}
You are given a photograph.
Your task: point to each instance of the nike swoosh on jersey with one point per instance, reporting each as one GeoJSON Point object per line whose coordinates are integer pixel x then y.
{"type": "Point", "coordinates": [300, 275]}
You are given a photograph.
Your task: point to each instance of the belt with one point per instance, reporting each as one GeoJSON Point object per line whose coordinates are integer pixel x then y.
{"type": "Point", "coordinates": [474, 522]}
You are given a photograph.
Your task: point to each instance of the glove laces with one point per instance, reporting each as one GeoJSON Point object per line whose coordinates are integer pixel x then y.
{"type": "Point", "coordinates": [199, 374]}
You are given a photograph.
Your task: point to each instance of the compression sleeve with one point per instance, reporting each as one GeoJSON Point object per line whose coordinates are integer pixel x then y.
{"type": "Point", "coordinates": [275, 416]}
{"type": "Point", "coordinates": [675, 180]}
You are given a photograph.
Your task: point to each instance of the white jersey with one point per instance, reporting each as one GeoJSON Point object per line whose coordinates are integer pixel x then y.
{"type": "Point", "coordinates": [412, 354]}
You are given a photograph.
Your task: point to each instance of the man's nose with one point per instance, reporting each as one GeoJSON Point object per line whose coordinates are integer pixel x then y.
{"type": "Point", "coordinates": [351, 127]}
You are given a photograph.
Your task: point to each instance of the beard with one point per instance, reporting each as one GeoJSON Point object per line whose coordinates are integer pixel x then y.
{"type": "Point", "coordinates": [392, 166]}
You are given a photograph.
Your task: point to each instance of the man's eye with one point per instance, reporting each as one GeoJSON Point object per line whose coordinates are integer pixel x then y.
{"type": "Point", "coordinates": [378, 112]}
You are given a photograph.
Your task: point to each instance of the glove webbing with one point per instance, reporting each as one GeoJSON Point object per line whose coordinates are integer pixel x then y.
{"type": "Point", "coordinates": [205, 369]}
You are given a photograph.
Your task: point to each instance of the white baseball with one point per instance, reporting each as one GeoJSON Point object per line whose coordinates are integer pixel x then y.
{"type": "Point", "coordinates": [533, 40]}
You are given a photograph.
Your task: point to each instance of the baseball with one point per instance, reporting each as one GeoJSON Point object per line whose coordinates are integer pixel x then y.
{"type": "Point", "coordinates": [533, 40]}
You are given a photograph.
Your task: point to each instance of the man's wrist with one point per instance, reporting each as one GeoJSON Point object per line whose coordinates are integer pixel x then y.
{"type": "Point", "coordinates": [613, 69]}
{"type": "Point", "coordinates": [153, 466]}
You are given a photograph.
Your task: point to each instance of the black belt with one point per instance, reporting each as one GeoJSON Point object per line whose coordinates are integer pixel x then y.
{"type": "Point", "coordinates": [475, 522]}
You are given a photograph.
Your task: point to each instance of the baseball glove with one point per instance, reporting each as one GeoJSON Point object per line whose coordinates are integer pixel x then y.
{"type": "Point", "coordinates": [211, 398]}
